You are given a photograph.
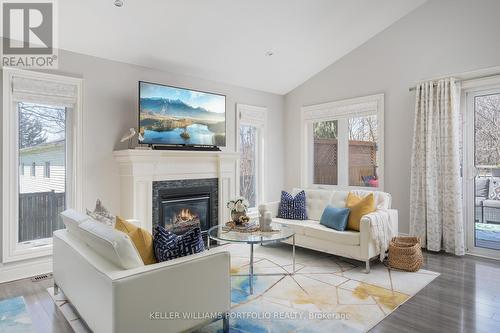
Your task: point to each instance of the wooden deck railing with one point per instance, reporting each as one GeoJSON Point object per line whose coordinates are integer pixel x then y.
{"type": "Point", "coordinates": [39, 214]}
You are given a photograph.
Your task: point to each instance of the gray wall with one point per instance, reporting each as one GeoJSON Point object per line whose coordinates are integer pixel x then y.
{"type": "Point", "coordinates": [439, 38]}
{"type": "Point", "coordinates": [110, 108]}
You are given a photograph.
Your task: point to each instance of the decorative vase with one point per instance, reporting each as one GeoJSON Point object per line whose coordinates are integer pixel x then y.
{"type": "Point", "coordinates": [235, 216]}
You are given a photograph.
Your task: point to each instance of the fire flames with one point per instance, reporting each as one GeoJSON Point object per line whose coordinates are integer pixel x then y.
{"type": "Point", "coordinates": [186, 215]}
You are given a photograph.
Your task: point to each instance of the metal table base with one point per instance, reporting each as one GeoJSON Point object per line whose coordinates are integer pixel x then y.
{"type": "Point", "coordinates": [251, 274]}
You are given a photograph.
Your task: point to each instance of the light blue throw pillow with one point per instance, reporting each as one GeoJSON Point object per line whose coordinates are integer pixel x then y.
{"type": "Point", "coordinates": [335, 218]}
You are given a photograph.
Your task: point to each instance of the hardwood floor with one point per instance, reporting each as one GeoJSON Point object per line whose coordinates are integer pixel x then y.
{"type": "Point", "coordinates": [44, 314]}
{"type": "Point", "coordinates": [464, 298]}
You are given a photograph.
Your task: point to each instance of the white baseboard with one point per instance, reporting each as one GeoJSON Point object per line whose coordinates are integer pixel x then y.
{"type": "Point", "coordinates": [403, 234]}
{"type": "Point", "coordinates": [25, 269]}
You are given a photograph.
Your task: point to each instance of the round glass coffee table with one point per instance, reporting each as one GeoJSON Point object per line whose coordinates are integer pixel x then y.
{"type": "Point", "coordinates": [279, 233]}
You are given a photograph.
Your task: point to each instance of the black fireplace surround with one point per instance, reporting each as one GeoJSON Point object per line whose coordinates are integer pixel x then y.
{"type": "Point", "coordinates": [180, 205]}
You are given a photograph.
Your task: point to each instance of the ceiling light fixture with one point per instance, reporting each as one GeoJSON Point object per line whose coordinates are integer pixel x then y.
{"type": "Point", "coordinates": [269, 53]}
{"type": "Point", "coordinates": [118, 3]}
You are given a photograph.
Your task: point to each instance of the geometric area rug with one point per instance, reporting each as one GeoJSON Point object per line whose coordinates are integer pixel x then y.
{"type": "Point", "coordinates": [14, 316]}
{"type": "Point", "coordinates": [326, 294]}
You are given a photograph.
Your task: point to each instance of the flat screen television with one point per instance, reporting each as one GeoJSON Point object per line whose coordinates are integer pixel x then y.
{"type": "Point", "coordinates": [181, 117]}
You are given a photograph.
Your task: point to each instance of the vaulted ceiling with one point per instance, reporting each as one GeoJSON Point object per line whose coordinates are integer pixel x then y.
{"type": "Point", "coordinates": [228, 41]}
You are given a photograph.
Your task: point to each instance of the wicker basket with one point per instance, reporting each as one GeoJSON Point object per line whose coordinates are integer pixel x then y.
{"type": "Point", "coordinates": [405, 253]}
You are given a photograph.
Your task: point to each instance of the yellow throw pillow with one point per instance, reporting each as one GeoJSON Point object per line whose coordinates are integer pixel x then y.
{"type": "Point", "coordinates": [359, 206]}
{"type": "Point", "coordinates": [141, 238]}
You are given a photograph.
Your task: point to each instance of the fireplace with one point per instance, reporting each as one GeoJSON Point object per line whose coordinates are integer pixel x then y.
{"type": "Point", "coordinates": [182, 213]}
{"type": "Point", "coordinates": [181, 205]}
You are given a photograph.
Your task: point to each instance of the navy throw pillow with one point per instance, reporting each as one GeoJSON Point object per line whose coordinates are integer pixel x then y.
{"type": "Point", "coordinates": [293, 208]}
{"type": "Point", "coordinates": [335, 218]}
{"type": "Point", "coordinates": [168, 245]}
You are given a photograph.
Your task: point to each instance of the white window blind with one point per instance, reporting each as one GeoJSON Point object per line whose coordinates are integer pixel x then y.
{"type": "Point", "coordinates": [43, 91]}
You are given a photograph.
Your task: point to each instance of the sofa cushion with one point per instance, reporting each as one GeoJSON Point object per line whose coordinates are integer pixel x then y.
{"type": "Point", "coordinates": [296, 225]}
{"type": "Point", "coordinates": [337, 199]}
{"type": "Point", "coordinates": [359, 207]}
{"type": "Point", "coordinates": [494, 188]}
{"type": "Point", "coordinates": [111, 244]}
{"type": "Point", "coordinates": [316, 201]}
{"type": "Point", "coordinates": [142, 239]}
{"type": "Point", "coordinates": [72, 219]}
{"type": "Point", "coordinates": [492, 204]}
{"type": "Point", "coordinates": [335, 218]}
{"type": "Point", "coordinates": [168, 245]}
{"type": "Point", "coordinates": [482, 186]}
{"type": "Point", "coordinates": [315, 230]}
{"type": "Point", "coordinates": [293, 207]}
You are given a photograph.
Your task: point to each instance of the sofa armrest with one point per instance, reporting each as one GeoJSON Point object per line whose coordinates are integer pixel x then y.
{"type": "Point", "coordinates": [368, 248]}
{"type": "Point", "coordinates": [270, 207]}
{"type": "Point", "coordinates": [200, 285]}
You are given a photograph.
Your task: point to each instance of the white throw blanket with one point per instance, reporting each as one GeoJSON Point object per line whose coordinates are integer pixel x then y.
{"type": "Point", "coordinates": [381, 230]}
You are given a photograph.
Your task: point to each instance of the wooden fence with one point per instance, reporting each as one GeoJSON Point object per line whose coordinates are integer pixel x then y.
{"type": "Point", "coordinates": [362, 161]}
{"type": "Point", "coordinates": [39, 214]}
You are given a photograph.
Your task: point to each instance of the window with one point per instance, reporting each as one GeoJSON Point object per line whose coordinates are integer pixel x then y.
{"type": "Point", "coordinates": [47, 170]}
{"type": "Point", "coordinates": [251, 136]}
{"type": "Point", "coordinates": [342, 143]}
{"type": "Point", "coordinates": [248, 163]}
{"type": "Point", "coordinates": [22, 169]}
{"type": "Point", "coordinates": [325, 152]}
{"type": "Point", "coordinates": [41, 118]}
{"type": "Point", "coordinates": [42, 134]}
{"type": "Point", "coordinates": [363, 151]}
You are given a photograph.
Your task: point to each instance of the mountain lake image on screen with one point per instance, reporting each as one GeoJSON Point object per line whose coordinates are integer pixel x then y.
{"type": "Point", "coordinates": [177, 116]}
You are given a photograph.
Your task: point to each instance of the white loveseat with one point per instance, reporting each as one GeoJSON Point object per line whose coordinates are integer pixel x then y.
{"type": "Point", "coordinates": [351, 244]}
{"type": "Point", "coordinates": [88, 267]}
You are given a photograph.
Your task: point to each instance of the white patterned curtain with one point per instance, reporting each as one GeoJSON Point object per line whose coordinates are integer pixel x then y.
{"type": "Point", "coordinates": [436, 185]}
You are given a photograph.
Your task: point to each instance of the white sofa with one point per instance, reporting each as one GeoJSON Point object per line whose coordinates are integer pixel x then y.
{"type": "Point", "coordinates": [312, 235]}
{"type": "Point", "coordinates": [89, 262]}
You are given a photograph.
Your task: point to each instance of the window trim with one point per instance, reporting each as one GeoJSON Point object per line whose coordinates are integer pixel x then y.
{"type": "Point", "coordinates": [11, 249]}
{"type": "Point", "coordinates": [255, 116]}
{"type": "Point", "coordinates": [340, 110]}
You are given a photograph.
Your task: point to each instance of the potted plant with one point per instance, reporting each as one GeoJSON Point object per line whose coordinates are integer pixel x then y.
{"type": "Point", "coordinates": [238, 208]}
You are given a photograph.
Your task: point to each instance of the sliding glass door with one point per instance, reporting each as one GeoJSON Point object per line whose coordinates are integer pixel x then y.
{"type": "Point", "coordinates": [482, 153]}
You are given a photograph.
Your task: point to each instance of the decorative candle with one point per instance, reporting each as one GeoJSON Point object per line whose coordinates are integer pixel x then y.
{"type": "Point", "coordinates": [267, 221]}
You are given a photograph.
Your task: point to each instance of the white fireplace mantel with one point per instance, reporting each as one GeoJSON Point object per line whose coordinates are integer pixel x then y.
{"type": "Point", "coordinates": [140, 168]}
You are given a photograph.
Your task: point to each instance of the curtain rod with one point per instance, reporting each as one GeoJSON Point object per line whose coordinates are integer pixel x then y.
{"type": "Point", "coordinates": [469, 79]}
